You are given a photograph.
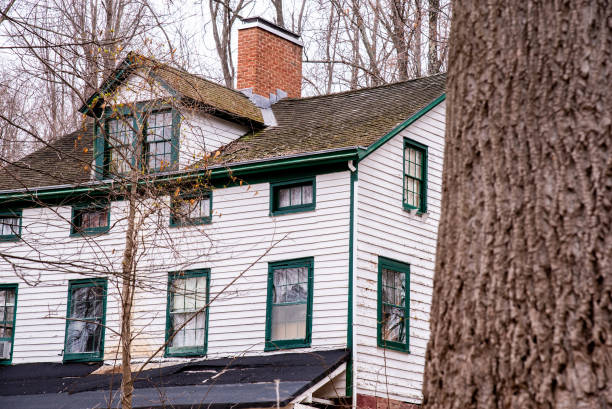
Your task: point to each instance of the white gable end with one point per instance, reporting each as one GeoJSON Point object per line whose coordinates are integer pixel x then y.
{"type": "Point", "coordinates": [139, 87]}
{"type": "Point", "coordinates": [385, 229]}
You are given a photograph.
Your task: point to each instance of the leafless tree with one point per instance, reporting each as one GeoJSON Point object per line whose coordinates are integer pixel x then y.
{"type": "Point", "coordinates": [224, 14]}
{"type": "Point", "coordinates": [376, 42]}
{"type": "Point", "coordinates": [83, 41]}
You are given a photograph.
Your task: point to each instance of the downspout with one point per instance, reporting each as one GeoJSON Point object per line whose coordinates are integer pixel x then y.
{"type": "Point", "coordinates": [351, 390]}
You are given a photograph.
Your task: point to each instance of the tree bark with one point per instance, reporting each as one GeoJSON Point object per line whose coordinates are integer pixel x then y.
{"type": "Point", "coordinates": [522, 305]}
{"type": "Point", "coordinates": [278, 7]}
{"type": "Point", "coordinates": [128, 276]}
{"type": "Point", "coordinates": [433, 61]}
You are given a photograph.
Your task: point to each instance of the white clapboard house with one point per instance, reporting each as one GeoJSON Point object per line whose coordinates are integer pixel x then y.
{"type": "Point", "coordinates": [310, 233]}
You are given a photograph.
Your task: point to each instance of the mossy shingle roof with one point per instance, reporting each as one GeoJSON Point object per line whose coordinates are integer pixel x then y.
{"type": "Point", "coordinates": [65, 161]}
{"type": "Point", "coordinates": [347, 119]}
{"type": "Point", "coordinates": [208, 93]}
{"type": "Point", "coordinates": [233, 104]}
{"type": "Point", "coordinates": [307, 125]}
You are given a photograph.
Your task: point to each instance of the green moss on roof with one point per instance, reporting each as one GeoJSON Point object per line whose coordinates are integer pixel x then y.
{"type": "Point", "coordinates": [206, 92]}
{"type": "Point", "coordinates": [67, 160]}
{"type": "Point", "coordinates": [347, 119]}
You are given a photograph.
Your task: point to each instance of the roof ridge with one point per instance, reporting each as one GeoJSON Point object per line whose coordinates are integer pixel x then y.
{"type": "Point", "coordinates": [365, 88]}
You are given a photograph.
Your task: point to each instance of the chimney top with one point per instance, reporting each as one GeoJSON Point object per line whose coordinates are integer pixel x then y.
{"type": "Point", "coordinates": [270, 27]}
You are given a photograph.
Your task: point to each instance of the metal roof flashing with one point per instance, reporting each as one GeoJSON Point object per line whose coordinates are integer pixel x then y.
{"type": "Point", "coordinates": [260, 22]}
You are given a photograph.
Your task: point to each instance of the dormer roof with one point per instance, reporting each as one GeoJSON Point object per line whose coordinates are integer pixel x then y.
{"type": "Point", "coordinates": [191, 88]}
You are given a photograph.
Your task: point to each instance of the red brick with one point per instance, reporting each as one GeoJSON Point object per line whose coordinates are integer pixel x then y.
{"type": "Point", "coordinates": [267, 62]}
{"type": "Point", "coordinates": [377, 402]}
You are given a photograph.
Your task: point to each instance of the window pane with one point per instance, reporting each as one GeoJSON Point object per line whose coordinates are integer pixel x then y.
{"type": "Point", "coordinates": [84, 333]}
{"type": "Point", "coordinates": [120, 138]}
{"type": "Point", "coordinates": [205, 206]}
{"type": "Point", "coordinates": [414, 162]}
{"type": "Point", "coordinates": [9, 226]}
{"type": "Point", "coordinates": [393, 328]}
{"type": "Point", "coordinates": [290, 302]}
{"type": "Point", "coordinates": [307, 193]}
{"type": "Point", "coordinates": [159, 136]}
{"type": "Point", "coordinates": [413, 191]}
{"type": "Point", "coordinates": [192, 209]}
{"type": "Point", "coordinates": [288, 287]}
{"type": "Point", "coordinates": [91, 218]}
{"type": "Point", "coordinates": [289, 321]}
{"type": "Point", "coordinates": [188, 297]}
{"type": "Point", "coordinates": [296, 195]}
{"type": "Point", "coordinates": [284, 199]}
{"type": "Point", "coordinates": [7, 316]}
{"type": "Point", "coordinates": [393, 305]}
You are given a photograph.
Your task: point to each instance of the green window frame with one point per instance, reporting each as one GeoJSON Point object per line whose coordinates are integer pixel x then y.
{"type": "Point", "coordinates": [85, 320]}
{"type": "Point", "coordinates": [287, 297]}
{"type": "Point", "coordinates": [90, 212]}
{"type": "Point", "coordinates": [160, 140]}
{"type": "Point", "coordinates": [393, 304]}
{"type": "Point", "coordinates": [415, 176]}
{"type": "Point", "coordinates": [291, 196]}
{"type": "Point", "coordinates": [192, 339]}
{"type": "Point", "coordinates": [8, 230]}
{"type": "Point", "coordinates": [8, 318]}
{"type": "Point", "coordinates": [191, 209]}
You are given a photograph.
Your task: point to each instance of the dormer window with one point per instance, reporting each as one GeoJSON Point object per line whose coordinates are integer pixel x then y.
{"type": "Point", "coordinates": [117, 149]}
{"type": "Point", "coordinates": [120, 136]}
{"type": "Point", "coordinates": [158, 143]}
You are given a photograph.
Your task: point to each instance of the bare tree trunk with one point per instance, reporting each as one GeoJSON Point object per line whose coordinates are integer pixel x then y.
{"type": "Point", "coordinates": [128, 276]}
{"type": "Point", "coordinates": [223, 16]}
{"type": "Point", "coordinates": [522, 306]}
{"type": "Point", "coordinates": [433, 61]}
{"type": "Point", "coordinates": [416, 36]}
{"type": "Point", "coordinates": [397, 29]}
{"type": "Point", "coordinates": [278, 7]}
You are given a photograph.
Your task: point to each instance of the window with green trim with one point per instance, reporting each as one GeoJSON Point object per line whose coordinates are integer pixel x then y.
{"type": "Point", "coordinates": [191, 209]}
{"type": "Point", "coordinates": [292, 196]}
{"type": "Point", "coordinates": [415, 176]}
{"type": "Point", "coordinates": [85, 320]}
{"type": "Point", "coordinates": [10, 225]}
{"type": "Point", "coordinates": [120, 133]}
{"type": "Point", "coordinates": [187, 313]}
{"type": "Point", "coordinates": [393, 304]}
{"type": "Point", "coordinates": [116, 147]}
{"type": "Point", "coordinates": [289, 304]}
{"type": "Point", "coordinates": [92, 218]}
{"type": "Point", "coordinates": [8, 313]}
{"type": "Point", "coordinates": [158, 143]}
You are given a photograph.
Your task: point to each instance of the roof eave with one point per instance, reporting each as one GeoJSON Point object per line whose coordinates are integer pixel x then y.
{"type": "Point", "coordinates": [215, 171]}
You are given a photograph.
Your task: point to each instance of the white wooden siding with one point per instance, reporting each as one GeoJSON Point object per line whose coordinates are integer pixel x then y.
{"type": "Point", "coordinates": [137, 88]}
{"type": "Point", "coordinates": [385, 229]}
{"type": "Point", "coordinates": [241, 231]}
{"type": "Point", "coordinates": [201, 133]}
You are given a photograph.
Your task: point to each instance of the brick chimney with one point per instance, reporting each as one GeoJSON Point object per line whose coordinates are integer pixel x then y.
{"type": "Point", "coordinates": [269, 58]}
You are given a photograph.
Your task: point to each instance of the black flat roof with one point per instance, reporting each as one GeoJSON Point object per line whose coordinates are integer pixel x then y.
{"type": "Point", "coordinates": [239, 382]}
